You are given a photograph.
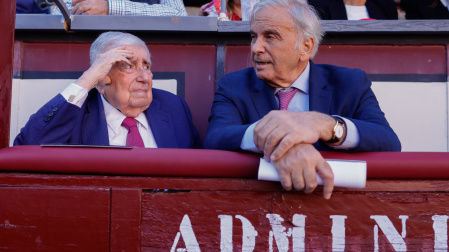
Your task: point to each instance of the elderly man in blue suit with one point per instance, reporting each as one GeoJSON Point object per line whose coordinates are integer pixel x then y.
{"type": "Point", "coordinates": [289, 108]}
{"type": "Point", "coordinates": [117, 88]}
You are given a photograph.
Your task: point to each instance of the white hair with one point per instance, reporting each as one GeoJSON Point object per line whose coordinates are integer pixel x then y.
{"type": "Point", "coordinates": [109, 40]}
{"type": "Point", "coordinates": [304, 16]}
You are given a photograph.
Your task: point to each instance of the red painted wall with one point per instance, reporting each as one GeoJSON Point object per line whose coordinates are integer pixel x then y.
{"type": "Point", "coordinates": [7, 25]}
{"type": "Point", "coordinates": [374, 59]}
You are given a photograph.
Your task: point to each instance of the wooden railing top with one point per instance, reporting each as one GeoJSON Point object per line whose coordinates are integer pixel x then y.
{"type": "Point", "coordinates": [202, 163]}
{"type": "Point", "coordinates": [211, 24]}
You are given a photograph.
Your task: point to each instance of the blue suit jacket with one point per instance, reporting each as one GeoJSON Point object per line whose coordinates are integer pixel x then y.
{"type": "Point", "coordinates": [242, 99]}
{"type": "Point", "coordinates": [59, 121]}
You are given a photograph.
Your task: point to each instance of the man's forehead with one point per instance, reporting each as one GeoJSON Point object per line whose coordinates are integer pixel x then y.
{"type": "Point", "coordinates": [267, 19]}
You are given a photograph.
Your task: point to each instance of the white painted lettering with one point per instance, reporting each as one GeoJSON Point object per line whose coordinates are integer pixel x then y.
{"type": "Point", "coordinates": [338, 232]}
{"type": "Point", "coordinates": [404, 229]}
{"type": "Point", "coordinates": [440, 229]}
{"type": "Point", "coordinates": [186, 231]}
{"type": "Point", "coordinates": [249, 234]}
{"type": "Point", "coordinates": [299, 232]}
{"type": "Point", "coordinates": [280, 235]}
{"type": "Point", "coordinates": [390, 232]}
{"type": "Point", "coordinates": [226, 233]}
{"type": "Point", "coordinates": [376, 238]}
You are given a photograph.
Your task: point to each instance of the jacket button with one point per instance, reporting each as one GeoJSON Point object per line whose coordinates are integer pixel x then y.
{"type": "Point", "coordinates": [55, 109]}
{"type": "Point", "coordinates": [47, 119]}
{"type": "Point", "coordinates": [51, 114]}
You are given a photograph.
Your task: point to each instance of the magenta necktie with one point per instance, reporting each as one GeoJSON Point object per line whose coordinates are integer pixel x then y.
{"type": "Point", "coordinates": [285, 96]}
{"type": "Point", "coordinates": [133, 138]}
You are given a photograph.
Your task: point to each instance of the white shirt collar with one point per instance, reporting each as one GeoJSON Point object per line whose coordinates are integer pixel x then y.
{"type": "Point", "coordinates": [302, 82]}
{"type": "Point", "coordinates": [114, 118]}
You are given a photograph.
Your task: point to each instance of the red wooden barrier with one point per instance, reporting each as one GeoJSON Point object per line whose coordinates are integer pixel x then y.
{"type": "Point", "coordinates": [203, 163]}
{"type": "Point", "coordinates": [207, 208]}
{"type": "Point", "coordinates": [7, 22]}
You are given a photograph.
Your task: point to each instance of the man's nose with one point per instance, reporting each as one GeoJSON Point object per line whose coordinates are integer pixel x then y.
{"type": "Point", "coordinates": [258, 46]}
{"type": "Point", "coordinates": [144, 75]}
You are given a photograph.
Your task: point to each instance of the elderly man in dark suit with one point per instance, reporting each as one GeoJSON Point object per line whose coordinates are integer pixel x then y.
{"type": "Point", "coordinates": [290, 108]}
{"type": "Point", "coordinates": [113, 103]}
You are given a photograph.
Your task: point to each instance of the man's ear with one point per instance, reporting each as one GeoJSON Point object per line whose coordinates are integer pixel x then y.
{"type": "Point", "coordinates": [100, 88]}
{"type": "Point", "coordinates": [306, 49]}
{"type": "Point", "coordinates": [102, 83]}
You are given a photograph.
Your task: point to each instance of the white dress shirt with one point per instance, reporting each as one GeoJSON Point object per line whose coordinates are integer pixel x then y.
{"type": "Point", "coordinates": [300, 102]}
{"type": "Point", "coordinates": [356, 12]}
{"type": "Point", "coordinates": [117, 133]}
{"type": "Point", "coordinates": [445, 3]}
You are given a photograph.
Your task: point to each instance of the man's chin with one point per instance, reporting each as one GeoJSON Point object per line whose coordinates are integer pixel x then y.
{"type": "Point", "coordinates": [134, 109]}
{"type": "Point", "coordinates": [140, 104]}
{"type": "Point", "coordinates": [262, 75]}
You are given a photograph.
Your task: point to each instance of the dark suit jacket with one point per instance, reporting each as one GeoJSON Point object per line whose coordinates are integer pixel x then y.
{"type": "Point", "coordinates": [424, 9]}
{"type": "Point", "coordinates": [335, 9]}
{"type": "Point", "coordinates": [242, 99]}
{"type": "Point", "coordinates": [59, 121]}
{"type": "Point", "coordinates": [29, 6]}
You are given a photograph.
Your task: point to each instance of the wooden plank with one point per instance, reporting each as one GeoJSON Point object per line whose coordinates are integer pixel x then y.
{"type": "Point", "coordinates": [204, 184]}
{"type": "Point", "coordinates": [125, 220]}
{"type": "Point", "coordinates": [374, 59]}
{"type": "Point", "coordinates": [214, 221]}
{"type": "Point", "coordinates": [7, 20]}
{"type": "Point", "coordinates": [360, 26]}
{"type": "Point", "coordinates": [54, 219]}
{"type": "Point", "coordinates": [143, 23]}
{"type": "Point", "coordinates": [39, 22]}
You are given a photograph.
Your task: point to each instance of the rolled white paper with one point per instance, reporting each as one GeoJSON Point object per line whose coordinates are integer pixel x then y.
{"type": "Point", "coordinates": [347, 173]}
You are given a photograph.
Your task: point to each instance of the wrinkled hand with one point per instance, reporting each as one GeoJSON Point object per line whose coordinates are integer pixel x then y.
{"type": "Point", "coordinates": [298, 169]}
{"type": "Point", "coordinates": [97, 74]}
{"type": "Point", "coordinates": [279, 131]}
{"type": "Point", "coordinates": [90, 7]}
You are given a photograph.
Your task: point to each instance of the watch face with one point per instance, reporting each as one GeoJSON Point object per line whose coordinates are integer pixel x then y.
{"type": "Point", "coordinates": [339, 131]}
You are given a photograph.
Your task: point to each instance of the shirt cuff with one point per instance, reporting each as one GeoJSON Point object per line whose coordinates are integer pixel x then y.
{"type": "Point", "coordinates": [75, 94]}
{"type": "Point", "coordinates": [352, 136]}
{"type": "Point", "coordinates": [248, 140]}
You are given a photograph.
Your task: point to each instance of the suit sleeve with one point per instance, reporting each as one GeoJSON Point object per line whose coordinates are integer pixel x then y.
{"type": "Point", "coordinates": [374, 131]}
{"type": "Point", "coordinates": [226, 124]}
{"type": "Point", "coordinates": [53, 123]}
{"type": "Point", "coordinates": [196, 142]}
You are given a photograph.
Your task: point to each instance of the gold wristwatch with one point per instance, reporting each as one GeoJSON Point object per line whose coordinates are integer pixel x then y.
{"type": "Point", "coordinates": [339, 132]}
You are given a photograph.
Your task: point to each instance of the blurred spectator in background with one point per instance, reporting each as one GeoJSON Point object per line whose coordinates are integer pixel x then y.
{"type": "Point", "coordinates": [213, 9]}
{"type": "Point", "coordinates": [425, 9]}
{"type": "Point", "coordinates": [125, 7]}
{"type": "Point", "coordinates": [355, 9]}
{"type": "Point", "coordinates": [30, 6]}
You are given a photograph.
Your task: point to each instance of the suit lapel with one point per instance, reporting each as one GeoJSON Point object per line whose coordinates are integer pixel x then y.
{"type": "Point", "coordinates": [161, 126]}
{"type": "Point", "coordinates": [95, 128]}
{"type": "Point", "coordinates": [260, 94]}
{"type": "Point", "coordinates": [337, 10]}
{"type": "Point", "coordinates": [320, 96]}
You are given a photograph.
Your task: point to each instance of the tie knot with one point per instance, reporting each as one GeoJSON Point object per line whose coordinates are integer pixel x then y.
{"type": "Point", "coordinates": [129, 122]}
{"type": "Point", "coordinates": [285, 96]}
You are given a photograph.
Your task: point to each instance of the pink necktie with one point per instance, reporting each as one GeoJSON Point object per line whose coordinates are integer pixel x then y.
{"type": "Point", "coordinates": [133, 138]}
{"type": "Point", "coordinates": [285, 96]}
